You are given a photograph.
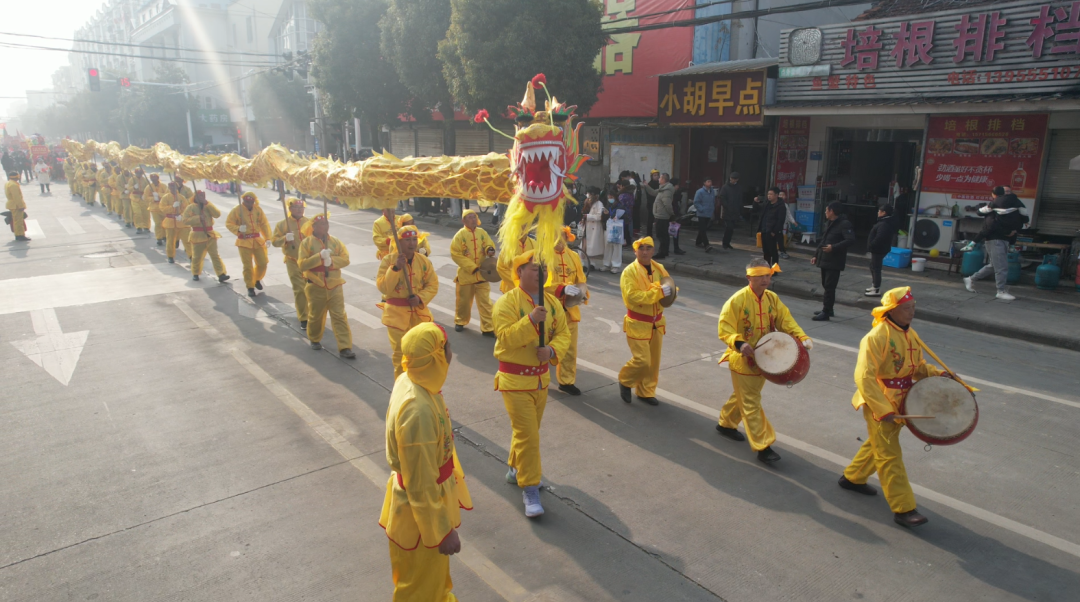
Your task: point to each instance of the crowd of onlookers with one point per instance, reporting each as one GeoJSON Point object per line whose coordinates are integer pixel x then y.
{"type": "Point", "coordinates": [43, 169]}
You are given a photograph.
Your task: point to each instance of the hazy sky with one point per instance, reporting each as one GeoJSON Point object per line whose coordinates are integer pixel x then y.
{"type": "Point", "coordinates": [25, 69]}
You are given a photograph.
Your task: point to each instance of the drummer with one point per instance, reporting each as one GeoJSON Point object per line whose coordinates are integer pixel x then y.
{"type": "Point", "coordinates": [751, 313]}
{"type": "Point", "coordinates": [566, 282]}
{"type": "Point", "coordinates": [890, 361]}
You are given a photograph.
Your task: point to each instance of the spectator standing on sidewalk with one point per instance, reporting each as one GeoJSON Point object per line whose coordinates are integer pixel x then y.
{"type": "Point", "coordinates": [781, 243]}
{"type": "Point", "coordinates": [626, 202]}
{"type": "Point", "coordinates": [664, 212]}
{"type": "Point", "coordinates": [879, 244]}
{"type": "Point", "coordinates": [831, 256]}
{"type": "Point", "coordinates": [613, 250]}
{"type": "Point", "coordinates": [648, 197]}
{"type": "Point", "coordinates": [1002, 221]}
{"type": "Point", "coordinates": [731, 201]}
{"type": "Point", "coordinates": [705, 206]}
{"type": "Point", "coordinates": [44, 175]}
{"type": "Point", "coordinates": [771, 225]}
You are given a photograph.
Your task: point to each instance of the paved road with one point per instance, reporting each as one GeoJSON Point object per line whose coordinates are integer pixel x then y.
{"type": "Point", "coordinates": [171, 440]}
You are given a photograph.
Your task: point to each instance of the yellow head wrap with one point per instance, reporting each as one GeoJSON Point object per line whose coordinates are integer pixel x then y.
{"type": "Point", "coordinates": [404, 217]}
{"type": "Point", "coordinates": [424, 361]}
{"type": "Point", "coordinates": [408, 232]}
{"type": "Point", "coordinates": [644, 241]}
{"type": "Point", "coordinates": [519, 261]}
{"type": "Point", "coordinates": [763, 271]}
{"type": "Point", "coordinates": [568, 236]}
{"type": "Point", "coordinates": [890, 301]}
{"type": "Point", "coordinates": [247, 195]}
{"type": "Point", "coordinates": [467, 213]}
{"type": "Point", "coordinates": [295, 201]}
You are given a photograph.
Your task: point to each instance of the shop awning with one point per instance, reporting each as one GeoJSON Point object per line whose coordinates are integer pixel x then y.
{"type": "Point", "coordinates": [724, 67]}
{"type": "Point", "coordinates": [1014, 102]}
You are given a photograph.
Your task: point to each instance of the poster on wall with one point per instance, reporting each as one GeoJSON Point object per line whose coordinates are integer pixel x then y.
{"type": "Point", "coordinates": [967, 155]}
{"type": "Point", "coordinates": [791, 154]}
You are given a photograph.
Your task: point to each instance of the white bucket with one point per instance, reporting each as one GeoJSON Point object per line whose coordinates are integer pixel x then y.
{"type": "Point", "coordinates": [918, 264]}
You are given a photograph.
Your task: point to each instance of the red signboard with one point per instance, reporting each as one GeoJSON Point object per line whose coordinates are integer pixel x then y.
{"type": "Point", "coordinates": [712, 99]}
{"type": "Point", "coordinates": [631, 61]}
{"type": "Point", "coordinates": [792, 145]}
{"type": "Point", "coordinates": [967, 155]}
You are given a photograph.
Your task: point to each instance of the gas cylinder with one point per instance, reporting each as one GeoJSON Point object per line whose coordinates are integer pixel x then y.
{"type": "Point", "coordinates": [1048, 274]}
{"type": "Point", "coordinates": [974, 260]}
{"type": "Point", "coordinates": [1013, 276]}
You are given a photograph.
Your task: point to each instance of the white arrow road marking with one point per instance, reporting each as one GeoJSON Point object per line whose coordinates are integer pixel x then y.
{"type": "Point", "coordinates": [70, 225]}
{"type": "Point", "coordinates": [33, 229]}
{"type": "Point", "coordinates": [614, 327]}
{"type": "Point", "coordinates": [107, 223]}
{"type": "Point", "coordinates": [54, 350]}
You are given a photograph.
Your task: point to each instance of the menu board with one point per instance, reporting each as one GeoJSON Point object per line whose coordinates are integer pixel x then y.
{"type": "Point", "coordinates": [967, 155]}
{"type": "Point", "coordinates": [791, 154]}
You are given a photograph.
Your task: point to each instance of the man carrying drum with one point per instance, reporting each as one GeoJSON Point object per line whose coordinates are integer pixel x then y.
{"type": "Point", "coordinates": [751, 313]}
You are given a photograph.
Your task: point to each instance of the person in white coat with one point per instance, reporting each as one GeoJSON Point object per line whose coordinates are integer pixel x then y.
{"type": "Point", "coordinates": [44, 175]}
{"type": "Point", "coordinates": [594, 224]}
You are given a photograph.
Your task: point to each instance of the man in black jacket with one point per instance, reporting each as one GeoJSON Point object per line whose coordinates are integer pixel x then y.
{"type": "Point", "coordinates": [879, 244]}
{"type": "Point", "coordinates": [1002, 222]}
{"type": "Point", "coordinates": [831, 256]}
{"type": "Point", "coordinates": [771, 226]}
{"type": "Point", "coordinates": [731, 206]}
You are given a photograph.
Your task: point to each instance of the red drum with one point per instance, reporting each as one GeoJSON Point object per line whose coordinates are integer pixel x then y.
{"type": "Point", "coordinates": [954, 410]}
{"type": "Point", "coordinates": [781, 358]}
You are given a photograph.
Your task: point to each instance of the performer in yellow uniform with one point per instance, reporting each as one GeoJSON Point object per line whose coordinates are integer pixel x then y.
{"type": "Point", "coordinates": [89, 183]}
{"type": "Point", "coordinates": [505, 266]}
{"type": "Point", "coordinates": [566, 275]}
{"type": "Point", "coordinates": [470, 246]}
{"type": "Point", "coordinates": [140, 212]}
{"type": "Point", "coordinates": [523, 370]}
{"type": "Point", "coordinates": [16, 205]}
{"type": "Point", "coordinates": [426, 491]}
{"type": "Point", "coordinates": [381, 233]}
{"type": "Point", "coordinates": [288, 234]}
{"type": "Point", "coordinates": [248, 222]}
{"type": "Point", "coordinates": [321, 257]}
{"type": "Point", "coordinates": [751, 313]}
{"type": "Point", "coordinates": [69, 173]}
{"type": "Point", "coordinates": [644, 323]}
{"type": "Point", "coordinates": [890, 361]}
{"type": "Point", "coordinates": [172, 207]}
{"type": "Point", "coordinates": [200, 216]}
{"type": "Point", "coordinates": [423, 247]}
{"type": "Point", "coordinates": [151, 198]}
{"type": "Point", "coordinates": [402, 311]}
{"type": "Point", "coordinates": [107, 179]}
{"type": "Point", "coordinates": [123, 190]}
{"type": "Point", "coordinates": [183, 188]}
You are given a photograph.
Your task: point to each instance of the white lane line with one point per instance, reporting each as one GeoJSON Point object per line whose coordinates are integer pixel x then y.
{"type": "Point", "coordinates": [70, 225]}
{"type": "Point", "coordinates": [108, 224]}
{"type": "Point", "coordinates": [33, 229]}
{"type": "Point", "coordinates": [377, 473]}
{"type": "Point", "coordinates": [611, 324]}
{"type": "Point", "coordinates": [950, 502]}
{"type": "Point", "coordinates": [355, 313]}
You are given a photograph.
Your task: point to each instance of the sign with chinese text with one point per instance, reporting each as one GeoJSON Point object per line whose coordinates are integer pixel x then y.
{"type": "Point", "coordinates": [214, 116]}
{"type": "Point", "coordinates": [793, 138]}
{"type": "Point", "coordinates": [630, 62]}
{"type": "Point", "coordinates": [1030, 46]}
{"type": "Point", "coordinates": [967, 155]}
{"type": "Point", "coordinates": [712, 99]}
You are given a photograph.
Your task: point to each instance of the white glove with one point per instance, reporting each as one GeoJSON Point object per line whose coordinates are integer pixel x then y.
{"type": "Point", "coordinates": [423, 251]}
{"type": "Point", "coordinates": [667, 290]}
{"type": "Point", "coordinates": [289, 237]}
{"type": "Point", "coordinates": [571, 290]}
{"type": "Point", "coordinates": [327, 261]}
{"type": "Point", "coordinates": [157, 197]}
{"type": "Point", "coordinates": [176, 204]}
{"type": "Point", "coordinates": [243, 229]}
{"type": "Point", "coordinates": [325, 254]}
{"type": "Point", "coordinates": [968, 247]}
{"type": "Point", "coordinates": [808, 344]}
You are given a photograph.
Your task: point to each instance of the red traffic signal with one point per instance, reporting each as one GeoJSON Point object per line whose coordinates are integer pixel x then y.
{"type": "Point", "coordinates": [95, 82]}
{"type": "Point", "coordinates": [93, 72]}
{"type": "Point", "coordinates": [125, 82]}
{"type": "Point", "coordinates": [238, 136]}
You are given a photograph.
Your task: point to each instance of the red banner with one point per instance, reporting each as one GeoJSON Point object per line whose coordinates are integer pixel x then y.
{"type": "Point", "coordinates": [631, 61]}
{"type": "Point", "coordinates": [791, 154]}
{"type": "Point", "coordinates": [967, 155]}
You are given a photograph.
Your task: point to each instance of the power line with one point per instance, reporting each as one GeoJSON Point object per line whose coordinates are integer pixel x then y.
{"type": "Point", "coordinates": [147, 46]}
{"type": "Point", "coordinates": [194, 61]}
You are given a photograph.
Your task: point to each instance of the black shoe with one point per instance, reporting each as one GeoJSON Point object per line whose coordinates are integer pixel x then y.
{"type": "Point", "coordinates": [571, 389]}
{"type": "Point", "coordinates": [909, 519]}
{"type": "Point", "coordinates": [303, 324]}
{"type": "Point", "coordinates": [22, 239]}
{"type": "Point", "coordinates": [171, 260]}
{"type": "Point", "coordinates": [729, 247]}
{"type": "Point", "coordinates": [820, 317]}
{"type": "Point", "coordinates": [830, 312]}
{"type": "Point", "coordinates": [251, 292]}
{"type": "Point", "coordinates": [856, 487]}
{"type": "Point", "coordinates": [160, 242]}
{"type": "Point", "coordinates": [708, 249]}
{"type": "Point", "coordinates": [458, 328]}
{"type": "Point", "coordinates": [650, 400]}
{"type": "Point", "coordinates": [732, 434]}
{"type": "Point", "coordinates": [195, 277]}
{"type": "Point", "coordinates": [347, 354]}
{"type": "Point", "coordinates": [624, 392]}
{"type": "Point", "coordinates": [258, 284]}
{"type": "Point", "coordinates": [316, 346]}
{"type": "Point", "coordinates": [489, 334]}
{"type": "Point", "coordinates": [223, 278]}
{"type": "Point", "coordinates": [680, 252]}
{"type": "Point", "coordinates": [768, 456]}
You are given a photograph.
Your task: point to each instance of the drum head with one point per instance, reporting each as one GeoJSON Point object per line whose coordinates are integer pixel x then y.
{"type": "Point", "coordinates": [776, 352]}
{"type": "Point", "coordinates": [489, 270]}
{"type": "Point", "coordinates": [668, 301]}
{"type": "Point", "coordinates": [952, 405]}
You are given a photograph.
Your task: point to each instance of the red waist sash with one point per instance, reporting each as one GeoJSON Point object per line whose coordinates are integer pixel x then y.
{"type": "Point", "coordinates": [243, 236]}
{"type": "Point", "coordinates": [202, 229]}
{"type": "Point", "coordinates": [902, 384]}
{"type": "Point", "coordinates": [444, 473]}
{"type": "Point", "coordinates": [522, 370]}
{"type": "Point", "coordinates": [398, 301]}
{"type": "Point", "coordinates": [633, 315]}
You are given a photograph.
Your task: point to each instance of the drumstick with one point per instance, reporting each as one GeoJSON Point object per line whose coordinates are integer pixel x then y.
{"type": "Point", "coordinates": [913, 417]}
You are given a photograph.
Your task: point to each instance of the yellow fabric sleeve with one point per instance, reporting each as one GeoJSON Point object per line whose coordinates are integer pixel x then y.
{"type": "Point", "coordinates": [872, 351]}
{"type": "Point", "coordinates": [785, 322]}
{"type": "Point", "coordinates": [512, 329]}
{"type": "Point", "coordinates": [419, 454]}
{"type": "Point", "coordinates": [632, 295]}
{"type": "Point", "coordinates": [232, 222]}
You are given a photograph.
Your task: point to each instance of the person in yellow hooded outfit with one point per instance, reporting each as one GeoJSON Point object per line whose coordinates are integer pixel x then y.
{"type": "Point", "coordinates": [400, 273]}
{"type": "Point", "coordinates": [140, 209]}
{"type": "Point", "coordinates": [151, 199]}
{"type": "Point", "coordinates": [16, 205]}
{"type": "Point", "coordinates": [523, 375]}
{"type": "Point", "coordinates": [288, 234]}
{"type": "Point", "coordinates": [470, 246]}
{"type": "Point", "coordinates": [321, 258]}
{"type": "Point", "coordinates": [381, 233]}
{"type": "Point", "coordinates": [505, 266]}
{"type": "Point", "coordinates": [111, 190]}
{"type": "Point", "coordinates": [172, 207]}
{"type": "Point", "coordinates": [890, 361]}
{"type": "Point", "coordinates": [644, 323]}
{"type": "Point", "coordinates": [123, 189]}
{"type": "Point", "coordinates": [423, 247]}
{"type": "Point", "coordinates": [89, 183]}
{"type": "Point", "coordinates": [200, 216]}
{"type": "Point", "coordinates": [69, 174]}
{"type": "Point", "coordinates": [426, 491]}
{"type": "Point", "coordinates": [248, 222]}
{"type": "Point", "coordinates": [104, 196]}
{"type": "Point", "coordinates": [751, 313]}
{"type": "Point", "coordinates": [566, 277]}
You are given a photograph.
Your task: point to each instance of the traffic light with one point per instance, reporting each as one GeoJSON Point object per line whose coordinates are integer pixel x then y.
{"type": "Point", "coordinates": [95, 81]}
{"type": "Point", "coordinates": [238, 136]}
{"type": "Point", "coordinates": [125, 82]}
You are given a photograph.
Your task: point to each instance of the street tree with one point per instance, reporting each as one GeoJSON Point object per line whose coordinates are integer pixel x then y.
{"type": "Point", "coordinates": [152, 114]}
{"type": "Point", "coordinates": [282, 109]}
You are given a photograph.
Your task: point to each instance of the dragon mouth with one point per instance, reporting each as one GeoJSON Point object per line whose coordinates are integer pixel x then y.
{"type": "Point", "coordinates": [539, 170]}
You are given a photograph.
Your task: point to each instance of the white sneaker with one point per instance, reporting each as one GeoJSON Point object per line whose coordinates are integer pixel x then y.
{"type": "Point", "coordinates": [873, 292]}
{"type": "Point", "coordinates": [531, 497]}
{"type": "Point", "coordinates": [614, 270]}
{"type": "Point", "coordinates": [867, 290]}
{"type": "Point", "coordinates": [969, 284]}
{"type": "Point", "coordinates": [1005, 296]}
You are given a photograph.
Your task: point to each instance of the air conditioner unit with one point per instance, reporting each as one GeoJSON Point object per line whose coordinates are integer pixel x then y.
{"type": "Point", "coordinates": [934, 233]}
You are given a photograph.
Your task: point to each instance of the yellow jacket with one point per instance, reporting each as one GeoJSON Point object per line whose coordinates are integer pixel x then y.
{"type": "Point", "coordinates": [13, 192]}
{"type": "Point", "coordinates": [138, 186]}
{"type": "Point", "coordinates": [468, 249]}
{"type": "Point", "coordinates": [89, 177]}
{"type": "Point", "coordinates": [506, 267]}
{"type": "Point", "coordinates": [516, 338]}
{"type": "Point", "coordinates": [201, 221]}
{"type": "Point", "coordinates": [114, 185]}
{"type": "Point", "coordinates": [418, 509]}
{"type": "Point", "coordinates": [382, 235]}
{"type": "Point", "coordinates": [641, 295]}
{"type": "Point", "coordinates": [171, 213]}
{"type": "Point", "coordinates": [425, 284]}
{"type": "Point", "coordinates": [299, 230]}
{"type": "Point", "coordinates": [745, 318]}
{"type": "Point", "coordinates": [187, 192]}
{"type": "Point", "coordinates": [151, 203]}
{"type": "Point", "coordinates": [887, 352]}
{"type": "Point", "coordinates": [566, 270]}
{"type": "Point", "coordinates": [311, 261]}
{"type": "Point", "coordinates": [258, 227]}
{"type": "Point", "coordinates": [102, 181]}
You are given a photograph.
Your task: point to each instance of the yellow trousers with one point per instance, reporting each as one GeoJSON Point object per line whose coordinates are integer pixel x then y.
{"type": "Point", "coordinates": [422, 575]}
{"type": "Point", "coordinates": [643, 370]}
{"type": "Point", "coordinates": [296, 278]}
{"type": "Point", "coordinates": [254, 261]}
{"type": "Point", "coordinates": [881, 453]}
{"type": "Point", "coordinates": [125, 208]}
{"type": "Point", "coordinates": [88, 194]}
{"type": "Point", "coordinates": [18, 222]}
{"type": "Point", "coordinates": [159, 230]}
{"type": "Point", "coordinates": [463, 311]}
{"type": "Point", "coordinates": [526, 410]}
{"type": "Point", "coordinates": [567, 368]}
{"type": "Point", "coordinates": [114, 204]}
{"type": "Point", "coordinates": [321, 301]}
{"type": "Point", "coordinates": [174, 234]}
{"type": "Point", "coordinates": [140, 215]}
{"type": "Point", "coordinates": [199, 251]}
{"type": "Point", "coordinates": [744, 405]}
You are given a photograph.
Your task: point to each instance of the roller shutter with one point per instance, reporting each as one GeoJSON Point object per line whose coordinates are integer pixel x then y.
{"type": "Point", "coordinates": [473, 141]}
{"type": "Point", "coordinates": [403, 143]}
{"type": "Point", "coordinates": [1059, 205]}
{"type": "Point", "coordinates": [429, 142]}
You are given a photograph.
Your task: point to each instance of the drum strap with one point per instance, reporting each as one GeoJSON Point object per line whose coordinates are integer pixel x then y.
{"type": "Point", "coordinates": [937, 359]}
